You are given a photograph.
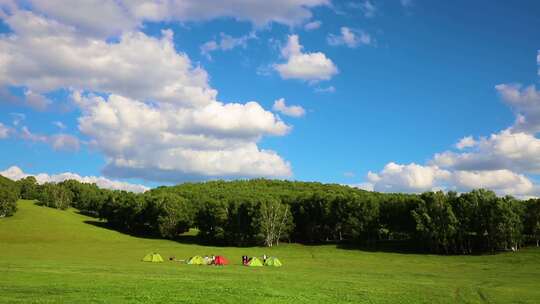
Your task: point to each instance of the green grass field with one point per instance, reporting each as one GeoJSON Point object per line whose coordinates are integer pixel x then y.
{"type": "Point", "coordinates": [52, 256]}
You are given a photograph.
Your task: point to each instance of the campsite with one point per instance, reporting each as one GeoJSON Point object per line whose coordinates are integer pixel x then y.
{"type": "Point", "coordinates": [77, 261]}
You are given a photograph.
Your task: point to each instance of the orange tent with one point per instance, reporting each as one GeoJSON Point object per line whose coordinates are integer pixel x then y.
{"type": "Point", "coordinates": [221, 261]}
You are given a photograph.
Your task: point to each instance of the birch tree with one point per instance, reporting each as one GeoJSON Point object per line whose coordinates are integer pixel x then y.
{"type": "Point", "coordinates": [275, 221]}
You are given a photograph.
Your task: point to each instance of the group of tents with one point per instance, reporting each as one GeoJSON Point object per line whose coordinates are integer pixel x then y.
{"type": "Point", "coordinates": [217, 260]}
{"type": "Point", "coordinates": [256, 262]}
{"type": "Point", "coordinates": [199, 260]}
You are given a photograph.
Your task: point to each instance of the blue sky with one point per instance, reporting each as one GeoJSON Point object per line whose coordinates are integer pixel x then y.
{"type": "Point", "coordinates": [383, 92]}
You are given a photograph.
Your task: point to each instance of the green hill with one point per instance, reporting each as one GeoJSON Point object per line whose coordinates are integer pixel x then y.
{"type": "Point", "coordinates": [53, 256]}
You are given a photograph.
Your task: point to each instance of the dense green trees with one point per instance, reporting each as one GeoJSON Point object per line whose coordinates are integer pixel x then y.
{"type": "Point", "coordinates": [9, 194]}
{"type": "Point", "coordinates": [436, 223]}
{"type": "Point", "coordinates": [28, 187]}
{"type": "Point", "coordinates": [531, 220]}
{"type": "Point", "coordinates": [55, 196]}
{"type": "Point", "coordinates": [265, 212]}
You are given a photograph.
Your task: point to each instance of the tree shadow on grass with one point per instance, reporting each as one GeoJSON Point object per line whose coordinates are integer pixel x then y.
{"type": "Point", "coordinates": [189, 237]}
{"type": "Point", "coordinates": [105, 225]}
{"type": "Point", "coordinates": [401, 247]}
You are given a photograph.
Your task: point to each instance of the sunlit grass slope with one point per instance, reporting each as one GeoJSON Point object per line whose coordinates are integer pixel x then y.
{"type": "Point", "coordinates": [53, 256]}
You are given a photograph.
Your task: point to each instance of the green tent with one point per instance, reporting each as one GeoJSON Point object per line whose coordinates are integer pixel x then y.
{"type": "Point", "coordinates": [153, 257]}
{"type": "Point", "coordinates": [273, 262]}
{"type": "Point", "coordinates": [196, 260]}
{"type": "Point", "coordinates": [254, 262]}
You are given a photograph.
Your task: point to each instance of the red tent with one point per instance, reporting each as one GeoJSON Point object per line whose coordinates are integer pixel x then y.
{"type": "Point", "coordinates": [220, 260]}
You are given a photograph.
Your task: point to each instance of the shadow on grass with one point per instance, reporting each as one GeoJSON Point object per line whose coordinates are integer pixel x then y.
{"type": "Point", "coordinates": [402, 247]}
{"type": "Point", "coordinates": [189, 237]}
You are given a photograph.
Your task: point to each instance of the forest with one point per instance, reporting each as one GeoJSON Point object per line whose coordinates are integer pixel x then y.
{"type": "Point", "coordinates": [267, 212]}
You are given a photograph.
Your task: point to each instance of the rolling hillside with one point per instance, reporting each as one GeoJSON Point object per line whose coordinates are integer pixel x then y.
{"type": "Point", "coordinates": [53, 256]}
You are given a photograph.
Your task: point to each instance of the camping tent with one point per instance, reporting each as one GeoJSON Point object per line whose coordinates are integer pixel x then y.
{"type": "Point", "coordinates": [153, 257]}
{"type": "Point", "coordinates": [196, 260]}
{"type": "Point", "coordinates": [254, 262]}
{"type": "Point", "coordinates": [273, 262]}
{"type": "Point", "coordinates": [221, 261]}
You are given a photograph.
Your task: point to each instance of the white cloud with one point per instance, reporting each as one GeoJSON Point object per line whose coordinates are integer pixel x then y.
{"type": "Point", "coordinates": [158, 119]}
{"type": "Point", "coordinates": [62, 59]}
{"type": "Point", "coordinates": [305, 66]}
{"type": "Point", "coordinates": [294, 111]}
{"type": "Point", "coordinates": [415, 178]}
{"type": "Point", "coordinates": [525, 102]}
{"type": "Point", "coordinates": [466, 142]}
{"type": "Point", "coordinates": [505, 150]}
{"type": "Point", "coordinates": [498, 162]}
{"type": "Point", "coordinates": [226, 43]}
{"type": "Point", "coordinates": [313, 25]}
{"type": "Point", "coordinates": [350, 38]}
{"type": "Point", "coordinates": [406, 178]}
{"type": "Point", "coordinates": [4, 131]}
{"type": "Point", "coordinates": [15, 173]}
{"type": "Point", "coordinates": [64, 142]}
{"type": "Point", "coordinates": [36, 101]}
{"type": "Point", "coordinates": [167, 143]}
{"type": "Point", "coordinates": [59, 142]}
{"type": "Point", "coordinates": [30, 99]}
{"type": "Point", "coordinates": [102, 18]}
{"type": "Point", "coordinates": [500, 181]}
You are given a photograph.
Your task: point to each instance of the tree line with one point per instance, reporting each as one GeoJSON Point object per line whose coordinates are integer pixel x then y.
{"type": "Point", "coordinates": [265, 212]}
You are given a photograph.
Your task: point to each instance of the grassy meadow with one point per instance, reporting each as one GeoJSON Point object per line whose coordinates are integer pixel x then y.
{"type": "Point", "coordinates": [53, 256]}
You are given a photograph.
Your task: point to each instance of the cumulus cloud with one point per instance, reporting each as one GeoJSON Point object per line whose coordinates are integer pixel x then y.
{"type": "Point", "coordinates": [294, 111]}
{"type": "Point", "coordinates": [350, 38]}
{"type": "Point", "coordinates": [406, 178]}
{"type": "Point", "coordinates": [36, 101]}
{"type": "Point", "coordinates": [305, 66]}
{"type": "Point", "coordinates": [103, 18]}
{"type": "Point", "coordinates": [501, 181]}
{"type": "Point", "coordinates": [225, 43]}
{"type": "Point", "coordinates": [150, 111]}
{"type": "Point", "coordinates": [66, 60]}
{"type": "Point", "coordinates": [504, 150]}
{"type": "Point", "coordinates": [499, 162]}
{"type": "Point", "coordinates": [162, 142]}
{"type": "Point", "coordinates": [30, 99]}
{"type": "Point", "coordinates": [16, 173]}
{"type": "Point", "coordinates": [465, 142]}
{"type": "Point", "coordinates": [313, 25]}
{"type": "Point", "coordinates": [525, 102]}
{"type": "Point", "coordinates": [259, 12]}
{"type": "Point", "coordinates": [414, 178]}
